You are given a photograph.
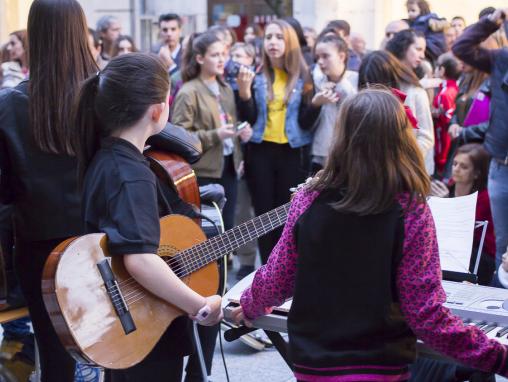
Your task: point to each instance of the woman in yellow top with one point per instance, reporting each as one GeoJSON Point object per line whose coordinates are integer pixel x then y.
{"type": "Point", "coordinates": [284, 110]}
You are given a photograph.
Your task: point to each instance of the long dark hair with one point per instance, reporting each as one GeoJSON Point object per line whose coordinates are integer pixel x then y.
{"type": "Point", "coordinates": [295, 24]}
{"type": "Point", "coordinates": [116, 98]}
{"type": "Point", "coordinates": [339, 44]}
{"type": "Point", "coordinates": [401, 42]}
{"type": "Point", "coordinates": [472, 82]}
{"type": "Point", "coordinates": [480, 160]}
{"type": "Point", "coordinates": [371, 153]}
{"type": "Point", "coordinates": [116, 45]}
{"type": "Point", "coordinates": [198, 44]}
{"type": "Point", "coordinates": [383, 68]}
{"type": "Point", "coordinates": [59, 61]}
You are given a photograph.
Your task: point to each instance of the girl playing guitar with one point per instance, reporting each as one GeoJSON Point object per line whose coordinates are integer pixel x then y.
{"type": "Point", "coordinates": [125, 104]}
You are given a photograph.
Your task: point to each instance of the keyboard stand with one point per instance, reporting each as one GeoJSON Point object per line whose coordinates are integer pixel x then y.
{"type": "Point", "coordinates": [278, 342]}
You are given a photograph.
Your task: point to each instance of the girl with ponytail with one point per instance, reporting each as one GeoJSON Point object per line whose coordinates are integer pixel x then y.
{"type": "Point", "coordinates": [117, 110]}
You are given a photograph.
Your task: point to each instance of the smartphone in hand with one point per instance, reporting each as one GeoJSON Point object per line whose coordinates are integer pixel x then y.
{"type": "Point", "coordinates": [241, 126]}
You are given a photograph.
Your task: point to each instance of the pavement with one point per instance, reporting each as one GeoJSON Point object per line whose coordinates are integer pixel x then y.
{"type": "Point", "coordinates": [244, 364]}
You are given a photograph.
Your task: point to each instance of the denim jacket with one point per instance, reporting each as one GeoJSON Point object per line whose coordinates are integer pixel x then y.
{"type": "Point", "coordinates": [297, 137]}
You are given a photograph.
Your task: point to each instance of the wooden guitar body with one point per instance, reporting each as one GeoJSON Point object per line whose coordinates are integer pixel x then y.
{"type": "Point", "coordinates": [82, 311]}
{"type": "Point", "coordinates": [173, 170]}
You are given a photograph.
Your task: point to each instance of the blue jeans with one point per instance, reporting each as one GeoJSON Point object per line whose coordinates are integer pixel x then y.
{"type": "Point", "coordinates": [498, 193]}
{"type": "Point", "coordinates": [17, 329]}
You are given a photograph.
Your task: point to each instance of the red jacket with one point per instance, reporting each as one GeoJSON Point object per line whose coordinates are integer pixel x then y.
{"type": "Point", "coordinates": [445, 103]}
{"type": "Point", "coordinates": [483, 212]}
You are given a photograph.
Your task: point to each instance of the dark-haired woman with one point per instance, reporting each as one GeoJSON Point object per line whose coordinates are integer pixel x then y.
{"type": "Point", "coordinates": [206, 106]}
{"type": "Point", "coordinates": [38, 171]}
{"type": "Point", "coordinates": [123, 45]}
{"type": "Point", "coordinates": [335, 80]}
{"type": "Point", "coordinates": [15, 68]}
{"type": "Point", "coordinates": [409, 47]}
{"type": "Point", "coordinates": [125, 104]}
{"type": "Point", "coordinates": [338, 229]}
{"type": "Point", "coordinates": [470, 172]}
{"type": "Point", "coordinates": [383, 68]}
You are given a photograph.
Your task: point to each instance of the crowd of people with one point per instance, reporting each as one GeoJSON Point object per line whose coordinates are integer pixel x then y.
{"type": "Point", "coordinates": [380, 131]}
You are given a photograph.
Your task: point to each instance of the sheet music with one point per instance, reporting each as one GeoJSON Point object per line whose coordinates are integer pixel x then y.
{"type": "Point", "coordinates": [454, 219]}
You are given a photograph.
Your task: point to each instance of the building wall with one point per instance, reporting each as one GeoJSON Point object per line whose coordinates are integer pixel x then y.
{"type": "Point", "coordinates": [195, 10]}
{"type": "Point", "coordinates": [367, 17]}
{"type": "Point", "coordinates": [13, 16]}
{"type": "Point", "coordinates": [123, 9]}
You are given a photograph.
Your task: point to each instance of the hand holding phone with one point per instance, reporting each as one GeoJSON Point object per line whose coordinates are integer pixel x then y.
{"type": "Point", "coordinates": [244, 131]}
{"type": "Point", "coordinates": [241, 126]}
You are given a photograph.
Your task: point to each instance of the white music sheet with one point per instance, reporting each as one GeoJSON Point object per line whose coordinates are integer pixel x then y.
{"type": "Point", "coordinates": [454, 219]}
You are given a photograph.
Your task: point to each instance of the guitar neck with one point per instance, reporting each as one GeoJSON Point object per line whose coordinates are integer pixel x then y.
{"type": "Point", "coordinates": [212, 249]}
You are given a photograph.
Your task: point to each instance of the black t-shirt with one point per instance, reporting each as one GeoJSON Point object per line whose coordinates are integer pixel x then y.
{"type": "Point", "coordinates": [122, 199]}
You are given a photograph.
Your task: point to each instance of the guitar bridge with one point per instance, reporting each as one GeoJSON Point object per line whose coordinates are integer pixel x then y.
{"type": "Point", "coordinates": [116, 296]}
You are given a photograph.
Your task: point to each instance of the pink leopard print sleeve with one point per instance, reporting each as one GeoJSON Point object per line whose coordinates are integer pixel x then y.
{"type": "Point", "coordinates": [274, 282]}
{"type": "Point", "coordinates": [422, 296]}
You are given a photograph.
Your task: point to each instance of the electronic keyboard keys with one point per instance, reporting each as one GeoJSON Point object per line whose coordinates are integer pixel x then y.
{"type": "Point", "coordinates": [503, 332]}
{"type": "Point", "coordinates": [492, 330]}
{"type": "Point", "coordinates": [502, 337]}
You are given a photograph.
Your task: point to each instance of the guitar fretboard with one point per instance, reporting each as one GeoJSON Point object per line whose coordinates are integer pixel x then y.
{"type": "Point", "coordinates": [196, 257]}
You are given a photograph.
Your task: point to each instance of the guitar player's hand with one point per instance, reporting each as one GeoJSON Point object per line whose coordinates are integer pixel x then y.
{"type": "Point", "coordinates": [213, 311]}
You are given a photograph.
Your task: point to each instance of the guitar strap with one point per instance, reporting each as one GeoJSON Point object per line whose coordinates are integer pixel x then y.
{"type": "Point", "coordinates": [171, 203]}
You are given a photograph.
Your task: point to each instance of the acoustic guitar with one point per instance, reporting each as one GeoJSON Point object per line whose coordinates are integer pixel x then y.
{"type": "Point", "coordinates": [103, 316]}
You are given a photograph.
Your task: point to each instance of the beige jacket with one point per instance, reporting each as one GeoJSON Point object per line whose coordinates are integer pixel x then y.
{"type": "Point", "coordinates": [196, 109]}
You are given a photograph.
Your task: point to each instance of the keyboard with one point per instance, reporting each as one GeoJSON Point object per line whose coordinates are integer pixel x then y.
{"type": "Point", "coordinates": [485, 307]}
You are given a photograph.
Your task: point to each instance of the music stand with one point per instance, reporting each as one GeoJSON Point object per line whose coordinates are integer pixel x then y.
{"type": "Point", "coordinates": [466, 276]}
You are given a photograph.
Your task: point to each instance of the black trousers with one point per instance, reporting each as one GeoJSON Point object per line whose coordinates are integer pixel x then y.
{"type": "Point", "coordinates": [486, 269]}
{"type": "Point", "coordinates": [56, 364]}
{"type": "Point", "coordinates": [229, 181]}
{"type": "Point", "coordinates": [271, 169]}
{"type": "Point", "coordinates": [153, 370]}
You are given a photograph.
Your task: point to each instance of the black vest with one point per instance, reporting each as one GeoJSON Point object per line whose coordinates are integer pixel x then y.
{"type": "Point", "coordinates": [345, 308]}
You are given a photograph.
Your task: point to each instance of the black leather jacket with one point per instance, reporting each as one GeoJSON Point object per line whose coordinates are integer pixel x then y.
{"type": "Point", "coordinates": [41, 186]}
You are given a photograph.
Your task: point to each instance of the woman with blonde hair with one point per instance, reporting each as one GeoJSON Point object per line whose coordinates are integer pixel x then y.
{"type": "Point", "coordinates": [277, 156]}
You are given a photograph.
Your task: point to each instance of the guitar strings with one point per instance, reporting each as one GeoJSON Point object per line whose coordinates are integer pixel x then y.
{"type": "Point", "coordinates": [137, 293]}
{"type": "Point", "coordinates": [189, 262]}
{"type": "Point", "coordinates": [187, 256]}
